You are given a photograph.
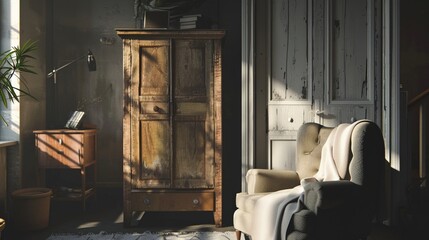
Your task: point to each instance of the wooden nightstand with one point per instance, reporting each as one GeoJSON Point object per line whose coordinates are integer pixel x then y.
{"type": "Point", "coordinates": [66, 149]}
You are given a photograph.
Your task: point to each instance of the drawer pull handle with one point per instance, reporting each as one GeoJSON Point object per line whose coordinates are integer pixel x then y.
{"type": "Point", "coordinates": [196, 201]}
{"type": "Point", "coordinates": [157, 109]}
{"type": "Point", "coordinates": [146, 201]}
{"type": "Point", "coordinates": [60, 141]}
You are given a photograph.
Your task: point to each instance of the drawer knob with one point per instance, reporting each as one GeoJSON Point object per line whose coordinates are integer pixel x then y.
{"type": "Point", "coordinates": [196, 201]}
{"type": "Point", "coordinates": [146, 201]}
{"type": "Point", "coordinates": [157, 109]}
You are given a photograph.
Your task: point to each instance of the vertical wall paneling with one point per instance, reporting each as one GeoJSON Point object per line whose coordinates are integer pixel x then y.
{"type": "Point", "coordinates": [319, 53]}
{"type": "Point", "coordinates": [321, 64]}
{"type": "Point", "coordinates": [396, 173]}
{"type": "Point", "coordinates": [282, 157]}
{"type": "Point", "coordinates": [261, 76]}
{"type": "Point", "coordinates": [290, 52]}
{"type": "Point", "coordinates": [290, 74]}
{"type": "Point", "coordinates": [349, 61]}
{"type": "Point", "coordinates": [391, 79]}
{"type": "Point", "coordinates": [247, 98]}
{"type": "Point", "coordinates": [350, 56]}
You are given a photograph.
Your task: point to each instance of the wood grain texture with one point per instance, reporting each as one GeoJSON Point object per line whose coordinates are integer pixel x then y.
{"type": "Point", "coordinates": [349, 50]}
{"type": "Point", "coordinates": [132, 33]}
{"type": "Point", "coordinates": [173, 115]}
{"type": "Point", "coordinates": [289, 70]}
{"type": "Point", "coordinates": [321, 57]}
{"type": "Point", "coordinates": [65, 149]}
{"type": "Point", "coordinates": [217, 96]}
{"type": "Point", "coordinates": [126, 133]}
{"type": "Point", "coordinates": [189, 67]}
{"type": "Point", "coordinates": [153, 67]}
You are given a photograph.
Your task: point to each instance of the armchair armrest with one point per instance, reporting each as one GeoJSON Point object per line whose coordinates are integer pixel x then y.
{"type": "Point", "coordinates": [343, 204]}
{"type": "Point", "coordinates": [320, 196]}
{"type": "Point", "coordinates": [265, 180]}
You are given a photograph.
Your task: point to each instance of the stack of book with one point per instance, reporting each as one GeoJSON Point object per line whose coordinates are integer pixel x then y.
{"type": "Point", "coordinates": [192, 21]}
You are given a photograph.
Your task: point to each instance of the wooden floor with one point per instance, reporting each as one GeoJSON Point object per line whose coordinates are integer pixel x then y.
{"type": "Point", "coordinates": [105, 215]}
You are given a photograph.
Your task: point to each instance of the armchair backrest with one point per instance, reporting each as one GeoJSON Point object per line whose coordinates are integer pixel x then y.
{"type": "Point", "coordinates": [366, 144]}
{"type": "Point", "coordinates": [310, 139]}
{"type": "Point", "coordinates": [366, 165]}
{"type": "Point", "coordinates": [366, 157]}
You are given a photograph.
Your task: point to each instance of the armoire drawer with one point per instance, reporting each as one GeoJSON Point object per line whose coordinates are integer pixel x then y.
{"type": "Point", "coordinates": [173, 201]}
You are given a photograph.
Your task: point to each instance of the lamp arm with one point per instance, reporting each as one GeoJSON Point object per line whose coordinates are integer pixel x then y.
{"type": "Point", "coordinates": [55, 70]}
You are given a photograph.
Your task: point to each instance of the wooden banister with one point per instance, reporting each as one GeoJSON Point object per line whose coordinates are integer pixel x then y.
{"type": "Point", "coordinates": [418, 97]}
{"type": "Point", "coordinates": [422, 104]}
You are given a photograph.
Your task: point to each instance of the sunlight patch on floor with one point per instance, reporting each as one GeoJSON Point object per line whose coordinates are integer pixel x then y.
{"type": "Point", "coordinates": [88, 225]}
{"type": "Point", "coordinates": [120, 218]}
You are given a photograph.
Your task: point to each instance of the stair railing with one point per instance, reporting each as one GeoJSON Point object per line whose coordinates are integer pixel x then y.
{"type": "Point", "coordinates": [422, 102]}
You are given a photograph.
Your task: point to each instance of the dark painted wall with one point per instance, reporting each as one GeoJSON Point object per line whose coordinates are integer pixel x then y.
{"type": "Point", "coordinates": [414, 70]}
{"type": "Point", "coordinates": [414, 50]}
{"type": "Point", "coordinates": [80, 25]}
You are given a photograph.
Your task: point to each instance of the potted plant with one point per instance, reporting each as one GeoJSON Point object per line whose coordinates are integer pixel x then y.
{"type": "Point", "coordinates": [13, 62]}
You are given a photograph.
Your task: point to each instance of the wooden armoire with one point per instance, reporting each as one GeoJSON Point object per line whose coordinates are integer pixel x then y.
{"type": "Point", "coordinates": [172, 124]}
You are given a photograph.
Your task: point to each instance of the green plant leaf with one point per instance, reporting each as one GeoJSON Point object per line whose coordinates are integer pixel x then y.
{"type": "Point", "coordinates": [13, 62]}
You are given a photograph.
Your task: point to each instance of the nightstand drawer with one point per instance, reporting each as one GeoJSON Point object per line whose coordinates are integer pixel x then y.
{"type": "Point", "coordinates": [60, 150]}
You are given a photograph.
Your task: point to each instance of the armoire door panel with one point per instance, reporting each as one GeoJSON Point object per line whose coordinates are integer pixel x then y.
{"type": "Point", "coordinates": [191, 108]}
{"type": "Point", "coordinates": [153, 168]}
{"type": "Point", "coordinates": [190, 159]}
{"type": "Point", "coordinates": [190, 67]}
{"type": "Point", "coordinates": [154, 67]}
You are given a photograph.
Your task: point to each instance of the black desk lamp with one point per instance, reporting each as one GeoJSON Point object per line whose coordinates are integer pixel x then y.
{"type": "Point", "coordinates": [92, 66]}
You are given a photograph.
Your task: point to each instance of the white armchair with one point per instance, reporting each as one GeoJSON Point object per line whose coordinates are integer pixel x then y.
{"type": "Point", "coordinates": [341, 209]}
